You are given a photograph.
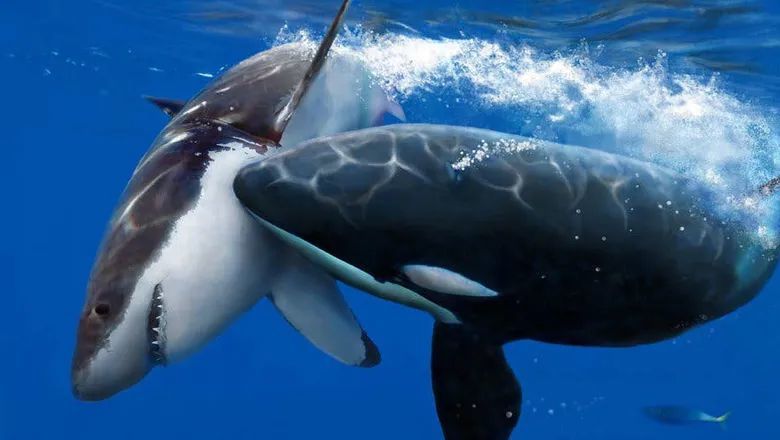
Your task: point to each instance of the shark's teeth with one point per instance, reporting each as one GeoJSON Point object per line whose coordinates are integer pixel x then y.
{"type": "Point", "coordinates": [156, 327]}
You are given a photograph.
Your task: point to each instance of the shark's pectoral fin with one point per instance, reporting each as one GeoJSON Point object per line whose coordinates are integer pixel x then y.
{"type": "Point", "coordinates": [477, 395]}
{"type": "Point", "coordinates": [168, 106]}
{"type": "Point", "coordinates": [310, 301]}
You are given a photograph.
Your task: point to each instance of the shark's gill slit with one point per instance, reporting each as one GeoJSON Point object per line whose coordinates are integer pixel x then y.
{"type": "Point", "coordinates": [156, 327]}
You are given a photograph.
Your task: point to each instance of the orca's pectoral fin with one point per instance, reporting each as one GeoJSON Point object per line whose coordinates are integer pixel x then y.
{"type": "Point", "coordinates": [169, 106]}
{"type": "Point", "coordinates": [477, 395]}
{"type": "Point", "coordinates": [310, 301]}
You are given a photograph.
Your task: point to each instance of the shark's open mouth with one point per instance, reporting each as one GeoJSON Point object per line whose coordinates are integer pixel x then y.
{"type": "Point", "coordinates": [156, 327]}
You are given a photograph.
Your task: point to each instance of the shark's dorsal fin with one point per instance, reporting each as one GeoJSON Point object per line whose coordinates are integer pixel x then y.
{"type": "Point", "coordinates": [169, 106]}
{"type": "Point", "coordinates": [286, 112]}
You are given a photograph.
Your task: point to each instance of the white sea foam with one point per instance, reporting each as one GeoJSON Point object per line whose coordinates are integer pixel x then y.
{"type": "Point", "coordinates": [485, 149]}
{"type": "Point", "coordinates": [692, 125]}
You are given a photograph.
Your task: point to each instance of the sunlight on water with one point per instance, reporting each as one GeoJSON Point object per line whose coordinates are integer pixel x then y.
{"type": "Point", "coordinates": [689, 124]}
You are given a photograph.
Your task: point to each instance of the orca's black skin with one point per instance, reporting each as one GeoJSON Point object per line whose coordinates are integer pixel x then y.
{"type": "Point", "coordinates": [477, 395]}
{"type": "Point", "coordinates": [584, 247]}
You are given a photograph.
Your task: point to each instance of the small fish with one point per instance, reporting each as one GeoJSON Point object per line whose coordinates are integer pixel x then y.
{"type": "Point", "coordinates": [680, 415]}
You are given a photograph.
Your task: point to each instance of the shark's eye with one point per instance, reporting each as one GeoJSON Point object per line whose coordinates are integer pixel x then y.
{"type": "Point", "coordinates": [102, 309]}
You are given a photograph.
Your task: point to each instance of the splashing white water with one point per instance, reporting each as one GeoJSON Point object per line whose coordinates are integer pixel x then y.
{"type": "Point", "coordinates": [485, 149]}
{"type": "Point", "coordinates": [684, 123]}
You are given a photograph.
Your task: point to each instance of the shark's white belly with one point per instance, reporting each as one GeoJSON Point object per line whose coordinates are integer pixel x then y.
{"type": "Point", "coordinates": [217, 263]}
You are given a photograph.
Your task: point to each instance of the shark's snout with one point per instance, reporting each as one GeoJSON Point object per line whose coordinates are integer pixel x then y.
{"type": "Point", "coordinates": [112, 350]}
{"type": "Point", "coordinates": [84, 388]}
{"type": "Point", "coordinates": [108, 374]}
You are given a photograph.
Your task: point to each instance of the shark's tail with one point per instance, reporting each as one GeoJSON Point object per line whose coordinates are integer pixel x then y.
{"type": "Point", "coordinates": [722, 419]}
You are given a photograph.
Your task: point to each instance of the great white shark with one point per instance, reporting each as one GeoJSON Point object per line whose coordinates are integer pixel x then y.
{"type": "Point", "coordinates": [501, 237]}
{"type": "Point", "coordinates": [182, 259]}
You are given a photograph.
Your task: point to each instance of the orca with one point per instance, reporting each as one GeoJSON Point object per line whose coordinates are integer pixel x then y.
{"type": "Point", "coordinates": [182, 259]}
{"type": "Point", "coordinates": [502, 238]}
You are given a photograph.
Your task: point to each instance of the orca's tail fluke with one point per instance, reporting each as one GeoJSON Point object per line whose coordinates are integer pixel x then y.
{"type": "Point", "coordinates": [477, 394]}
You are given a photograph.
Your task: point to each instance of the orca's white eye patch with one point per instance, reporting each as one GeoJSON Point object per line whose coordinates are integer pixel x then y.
{"type": "Point", "coordinates": [445, 281]}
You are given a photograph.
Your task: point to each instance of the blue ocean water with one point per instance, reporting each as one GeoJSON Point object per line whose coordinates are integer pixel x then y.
{"type": "Point", "coordinates": [691, 84]}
